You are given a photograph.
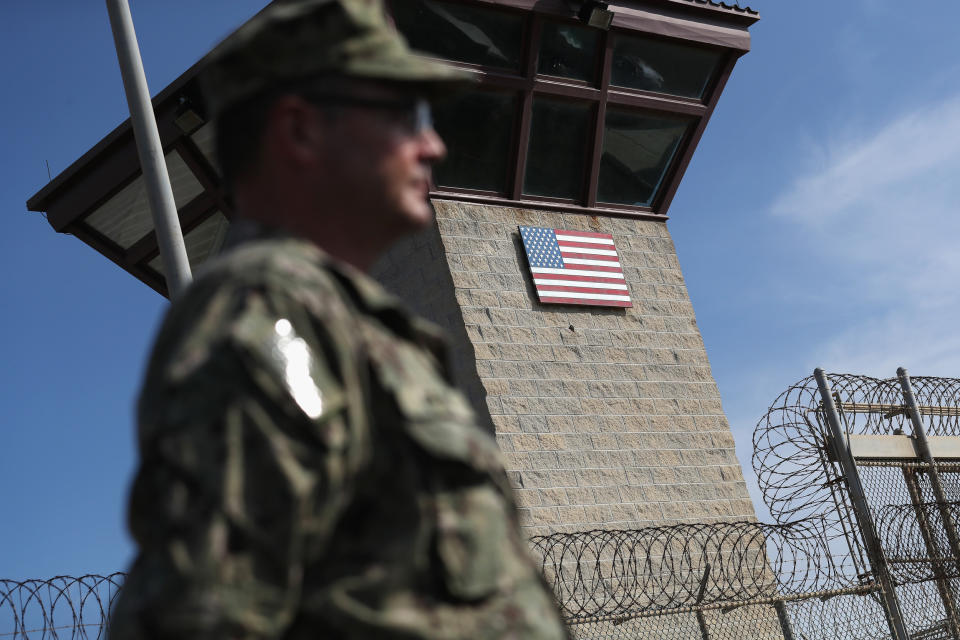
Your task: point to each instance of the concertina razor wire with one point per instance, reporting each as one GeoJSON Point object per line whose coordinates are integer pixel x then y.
{"type": "Point", "coordinates": [807, 575]}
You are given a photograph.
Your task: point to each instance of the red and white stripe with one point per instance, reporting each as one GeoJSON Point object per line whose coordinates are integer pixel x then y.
{"type": "Point", "coordinates": [591, 275]}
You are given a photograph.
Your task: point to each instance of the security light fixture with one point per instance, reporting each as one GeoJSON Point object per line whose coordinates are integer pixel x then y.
{"type": "Point", "coordinates": [186, 117]}
{"type": "Point", "coordinates": [596, 14]}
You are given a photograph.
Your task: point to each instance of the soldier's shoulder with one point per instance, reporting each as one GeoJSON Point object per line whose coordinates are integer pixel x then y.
{"type": "Point", "coordinates": [246, 314]}
{"type": "Point", "coordinates": [255, 284]}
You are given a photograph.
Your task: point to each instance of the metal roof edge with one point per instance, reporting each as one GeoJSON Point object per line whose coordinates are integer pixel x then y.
{"type": "Point", "coordinates": [38, 201]}
{"type": "Point", "coordinates": [743, 14]}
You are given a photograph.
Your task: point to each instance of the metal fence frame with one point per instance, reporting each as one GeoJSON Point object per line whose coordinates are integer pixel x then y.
{"type": "Point", "coordinates": [863, 546]}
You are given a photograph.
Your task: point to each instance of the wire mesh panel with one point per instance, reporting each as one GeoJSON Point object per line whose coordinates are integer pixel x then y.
{"type": "Point", "coordinates": [909, 499]}
{"type": "Point", "coordinates": [853, 617]}
{"type": "Point", "coordinates": [750, 621]}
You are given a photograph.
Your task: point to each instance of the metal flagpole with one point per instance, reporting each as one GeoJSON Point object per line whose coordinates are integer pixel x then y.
{"type": "Point", "coordinates": [173, 252]}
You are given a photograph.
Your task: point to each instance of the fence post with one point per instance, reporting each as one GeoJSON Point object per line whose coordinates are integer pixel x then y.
{"type": "Point", "coordinates": [860, 509]}
{"type": "Point", "coordinates": [702, 619]}
{"type": "Point", "coordinates": [784, 619]}
{"type": "Point", "coordinates": [922, 446]}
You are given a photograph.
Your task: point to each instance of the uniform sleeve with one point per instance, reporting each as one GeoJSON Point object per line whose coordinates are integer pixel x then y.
{"type": "Point", "coordinates": [249, 448]}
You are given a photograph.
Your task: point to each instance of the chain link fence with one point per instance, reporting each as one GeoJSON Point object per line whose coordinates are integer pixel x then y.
{"type": "Point", "coordinates": [864, 543]}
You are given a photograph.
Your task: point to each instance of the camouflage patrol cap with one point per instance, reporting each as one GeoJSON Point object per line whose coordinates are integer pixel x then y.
{"type": "Point", "coordinates": [294, 40]}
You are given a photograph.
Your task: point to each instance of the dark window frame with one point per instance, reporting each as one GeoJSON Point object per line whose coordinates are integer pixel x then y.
{"type": "Point", "coordinates": [528, 84]}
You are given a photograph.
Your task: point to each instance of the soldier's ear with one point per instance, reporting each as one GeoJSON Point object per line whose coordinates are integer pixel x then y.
{"type": "Point", "coordinates": [294, 129]}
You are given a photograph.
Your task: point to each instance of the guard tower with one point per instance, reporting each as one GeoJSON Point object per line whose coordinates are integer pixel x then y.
{"type": "Point", "coordinates": [582, 122]}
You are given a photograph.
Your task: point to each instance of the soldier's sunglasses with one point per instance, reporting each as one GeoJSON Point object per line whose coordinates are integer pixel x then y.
{"type": "Point", "coordinates": [413, 115]}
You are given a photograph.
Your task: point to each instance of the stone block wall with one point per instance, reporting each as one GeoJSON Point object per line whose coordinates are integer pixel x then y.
{"type": "Point", "coordinates": [607, 418]}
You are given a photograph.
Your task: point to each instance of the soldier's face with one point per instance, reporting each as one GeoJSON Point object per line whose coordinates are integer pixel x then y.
{"type": "Point", "coordinates": [381, 151]}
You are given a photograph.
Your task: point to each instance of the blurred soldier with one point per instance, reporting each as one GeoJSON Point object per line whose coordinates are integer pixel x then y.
{"type": "Point", "coordinates": [307, 470]}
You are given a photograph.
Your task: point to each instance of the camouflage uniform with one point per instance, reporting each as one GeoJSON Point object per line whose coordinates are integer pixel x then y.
{"type": "Point", "coordinates": [309, 471]}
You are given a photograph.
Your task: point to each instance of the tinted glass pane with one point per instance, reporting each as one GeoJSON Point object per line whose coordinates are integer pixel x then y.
{"type": "Point", "coordinates": [637, 149]}
{"type": "Point", "coordinates": [557, 150]}
{"type": "Point", "coordinates": [568, 50]}
{"type": "Point", "coordinates": [459, 32]}
{"type": "Point", "coordinates": [477, 128]}
{"type": "Point", "coordinates": [664, 67]}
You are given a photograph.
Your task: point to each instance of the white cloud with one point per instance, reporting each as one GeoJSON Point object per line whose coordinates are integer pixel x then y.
{"type": "Point", "coordinates": [882, 213]}
{"type": "Point", "coordinates": [879, 171]}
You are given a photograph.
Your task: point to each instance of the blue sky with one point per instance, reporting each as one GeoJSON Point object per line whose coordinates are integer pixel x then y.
{"type": "Point", "coordinates": [815, 227]}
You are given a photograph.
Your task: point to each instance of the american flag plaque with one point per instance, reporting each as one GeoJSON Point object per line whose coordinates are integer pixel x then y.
{"type": "Point", "coordinates": [575, 267]}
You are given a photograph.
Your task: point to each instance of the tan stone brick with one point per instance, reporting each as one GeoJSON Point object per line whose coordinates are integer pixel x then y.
{"type": "Point", "coordinates": [637, 494]}
{"type": "Point", "coordinates": [528, 318]}
{"type": "Point", "coordinates": [553, 497]}
{"type": "Point", "coordinates": [631, 441]}
{"type": "Point", "coordinates": [546, 478]}
{"type": "Point", "coordinates": [520, 335]}
{"type": "Point", "coordinates": [604, 441]}
{"type": "Point", "coordinates": [560, 406]}
{"type": "Point", "coordinates": [524, 442]}
{"type": "Point", "coordinates": [497, 386]}
{"type": "Point", "coordinates": [505, 265]}
{"type": "Point", "coordinates": [595, 514]}
{"type": "Point", "coordinates": [580, 495]}
{"type": "Point", "coordinates": [476, 298]}
{"type": "Point", "coordinates": [544, 515]}
{"type": "Point", "coordinates": [567, 353]}
{"type": "Point", "coordinates": [571, 513]}
{"type": "Point", "coordinates": [545, 335]}
{"type": "Point", "coordinates": [661, 458]}
{"type": "Point", "coordinates": [551, 442]}
{"type": "Point", "coordinates": [512, 300]}
{"type": "Point", "coordinates": [533, 424]}
{"type": "Point", "coordinates": [558, 424]}
{"type": "Point", "coordinates": [572, 459]}
{"type": "Point", "coordinates": [679, 510]}
{"type": "Point", "coordinates": [731, 473]}
{"type": "Point", "coordinates": [497, 369]}
{"type": "Point", "coordinates": [528, 497]}
{"type": "Point", "coordinates": [635, 424]}
{"type": "Point", "coordinates": [532, 370]}
{"type": "Point", "coordinates": [471, 263]}
{"type": "Point", "coordinates": [542, 353]}
{"type": "Point", "coordinates": [556, 221]}
{"type": "Point", "coordinates": [521, 387]}
{"type": "Point", "coordinates": [520, 405]}
{"type": "Point", "coordinates": [540, 460]}
{"type": "Point", "coordinates": [722, 440]}
{"type": "Point", "coordinates": [505, 424]}
{"type": "Point", "coordinates": [551, 389]}
{"type": "Point", "coordinates": [504, 442]}
{"type": "Point", "coordinates": [466, 280]}
{"type": "Point", "coordinates": [651, 511]}
{"type": "Point", "coordinates": [501, 282]}
{"type": "Point", "coordinates": [671, 423]}
{"type": "Point", "coordinates": [607, 495]}
{"type": "Point", "coordinates": [577, 388]}
{"type": "Point", "coordinates": [600, 477]}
